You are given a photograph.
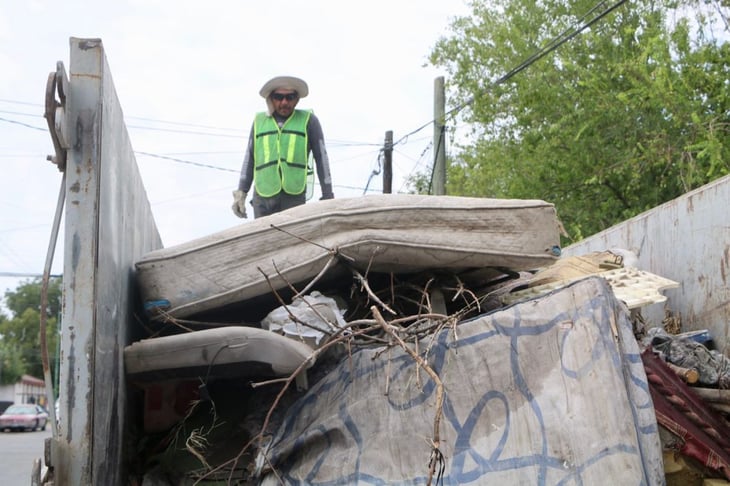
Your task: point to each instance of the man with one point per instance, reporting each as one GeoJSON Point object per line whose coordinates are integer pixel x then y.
{"type": "Point", "coordinates": [279, 146]}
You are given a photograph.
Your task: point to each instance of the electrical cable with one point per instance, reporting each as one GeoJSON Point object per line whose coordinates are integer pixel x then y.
{"type": "Point", "coordinates": [183, 161]}
{"type": "Point", "coordinates": [23, 124]}
{"type": "Point", "coordinates": [551, 46]}
{"type": "Point", "coordinates": [375, 172]}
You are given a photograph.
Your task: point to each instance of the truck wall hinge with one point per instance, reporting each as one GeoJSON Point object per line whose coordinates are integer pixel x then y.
{"type": "Point", "coordinates": [55, 114]}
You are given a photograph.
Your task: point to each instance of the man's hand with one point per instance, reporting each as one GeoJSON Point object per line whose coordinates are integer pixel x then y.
{"type": "Point", "coordinates": [239, 204]}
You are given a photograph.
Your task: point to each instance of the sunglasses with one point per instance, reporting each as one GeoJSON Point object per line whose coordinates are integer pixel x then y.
{"type": "Point", "coordinates": [287, 97]}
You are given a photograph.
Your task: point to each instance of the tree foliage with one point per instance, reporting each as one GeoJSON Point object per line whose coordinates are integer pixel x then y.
{"type": "Point", "coordinates": [20, 351]}
{"type": "Point", "coordinates": [28, 296]}
{"type": "Point", "coordinates": [630, 113]}
{"type": "Point", "coordinates": [12, 366]}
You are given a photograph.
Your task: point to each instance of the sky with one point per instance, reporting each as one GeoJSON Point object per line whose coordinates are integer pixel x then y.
{"type": "Point", "coordinates": [187, 75]}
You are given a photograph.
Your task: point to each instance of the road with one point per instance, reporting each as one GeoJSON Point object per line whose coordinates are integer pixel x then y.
{"type": "Point", "coordinates": [18, 450]}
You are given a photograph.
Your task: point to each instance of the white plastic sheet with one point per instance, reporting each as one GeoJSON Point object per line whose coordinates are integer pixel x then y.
{"type": "Point", "coordinates": [315, 315]}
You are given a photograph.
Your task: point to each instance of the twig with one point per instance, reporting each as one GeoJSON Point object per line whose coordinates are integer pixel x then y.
{"type": "Point", "coordinates": [363, 281]}
{"type": "Point", "coordinates": [327, 266]}
{"type": "Point", "coordinates": [298, 237]}
{"type": "Point", "coordinates": [169, 319]}
{"type": "Point", "coordinates": [286, 383]}
{"type": "Point", "coordinates": [196, 443]}
{"type": "Point", "coordinates": [387, 372]}
{"type": "Point", "coordinates": [293, 317]}
{"type": "Point", "coordinates": [330, 250]}
{"type": "Point", "coordinates": [436, 456]}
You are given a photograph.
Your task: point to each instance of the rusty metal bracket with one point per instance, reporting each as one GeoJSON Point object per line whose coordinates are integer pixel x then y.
{"type": "Point", "coordinates": [55, 114]}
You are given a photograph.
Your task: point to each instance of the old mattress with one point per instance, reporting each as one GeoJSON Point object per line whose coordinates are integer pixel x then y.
{"type": "Point", "coordinates": [551, 391]}
{"type": "Point", "coordinates": [388, 233]}
{"type": "Point", "coordinates": [224, 352]}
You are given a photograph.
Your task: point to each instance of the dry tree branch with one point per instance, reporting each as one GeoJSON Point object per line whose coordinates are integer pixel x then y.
{"type": "Point", "coordinates": [333, 326]}
{"type": "Point", "coordinates": [370, 260]}
{"type": "Point", "coordinates": [305, 240]}
{"type": "Point", "coordinates": [436, 456]}
{"type": "Point", "coordinates": [425, 296]}
{"type": "Point", "coordinates": [392, 286]}
{"type": "Point", "coordinates": [196, 443]}
{"type": "Point", "coordinates": [461, 289]}
{"type": "Point", "coordinates": [169, 319]}
{"type": "Point", "coordinates": [293, 317]}
{"type": "Point", "coordinates": [286, 384]}
{"type": "Point", "coordinates": [338, 330]}
{"type": "Point", "coordinates": [334, 251]}
{"type": "Point", "coordinates": [330, 263]}
{"type": "Point", "coordinates": [387, 371]}
{"type": "Point", "coordinates": [348, 334]}
{"type": "Point", "coordinates": [364, 283]}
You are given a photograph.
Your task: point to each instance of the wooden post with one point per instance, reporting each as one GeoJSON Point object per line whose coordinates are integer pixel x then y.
{"type": "Point", "coordinates": [388, 163]}
{"type": "Point", "coordinates": [439, 138]}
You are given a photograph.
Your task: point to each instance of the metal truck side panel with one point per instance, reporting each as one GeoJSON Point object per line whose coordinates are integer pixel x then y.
{"type": "Point", "coordinates": [108, 225]}
{"type": "Point", "coordinates": [686, 240]}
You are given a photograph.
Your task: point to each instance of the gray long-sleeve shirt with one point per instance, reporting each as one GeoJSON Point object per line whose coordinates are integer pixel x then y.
{"type": "Point", "coordinates": [316, 146]}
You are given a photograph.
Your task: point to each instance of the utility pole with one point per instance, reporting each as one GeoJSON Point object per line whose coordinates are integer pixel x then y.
{"type": "Point", "coordinates": [388, 163]}
{"type": "Point", "coordinates": [439, 138]}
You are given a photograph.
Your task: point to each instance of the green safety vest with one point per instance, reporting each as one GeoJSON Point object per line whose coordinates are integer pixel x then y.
{"type": "Point", "coordinates": [281, 154]}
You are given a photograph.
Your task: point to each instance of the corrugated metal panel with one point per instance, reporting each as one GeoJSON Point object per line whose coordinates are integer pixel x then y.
{"type": "Point", "coordinates": [686, 240]}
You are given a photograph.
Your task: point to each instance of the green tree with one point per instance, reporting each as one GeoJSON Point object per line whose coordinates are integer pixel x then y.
{"type": "Point", "coordinates": [28, 296]}
{"type": "Point", "coordinates": [12, 366]}
{"type": "Point", "coordinates": [20, 351]}
{"type": "Point", "coordinates": [624, 116]}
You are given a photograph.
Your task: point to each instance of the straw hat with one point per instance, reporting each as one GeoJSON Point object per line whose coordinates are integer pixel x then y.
{"type": "Point", "coordinates": [285, 82]}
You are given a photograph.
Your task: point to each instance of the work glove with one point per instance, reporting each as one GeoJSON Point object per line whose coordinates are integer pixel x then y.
{"type": "Point", "coordinates": [239, 204]}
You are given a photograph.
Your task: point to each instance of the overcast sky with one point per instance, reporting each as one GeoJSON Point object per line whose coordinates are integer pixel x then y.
{"type": "Point", "coordinates": [187, 74]}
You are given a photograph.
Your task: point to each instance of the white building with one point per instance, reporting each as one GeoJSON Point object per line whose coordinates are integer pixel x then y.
{"type": "Point", "coordinates": [27, 390]}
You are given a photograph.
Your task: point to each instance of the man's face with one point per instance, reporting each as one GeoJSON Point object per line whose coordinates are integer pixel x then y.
{"type": "Point", "coordinates": [284, 101]}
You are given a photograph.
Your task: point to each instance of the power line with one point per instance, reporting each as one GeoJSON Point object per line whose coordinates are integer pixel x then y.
{"type": "Point", "coordinates": [183, 124]}
{"type": "Point", "coordinates": [22, 275]}
{"type": "Point", "coordinates": [551, 46]}
{"type": "Point", "coordinates": [17, 102]}
{"type": "Point", "coordinates": [240, 135]}
{"type": "Point", "coordinates": [19, 113]}
{"type": "Point", "coordinates": [548, 48]}
{"type": "Point", "coordinates": [23, 124]}
{"type": "Point", "coordinates": [186, 132]}
{"type": "Point", "coordinates": [183, 161]}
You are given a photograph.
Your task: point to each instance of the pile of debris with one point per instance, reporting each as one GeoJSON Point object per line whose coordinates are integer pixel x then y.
{"type": "Point", "coordinates": [454, 374]}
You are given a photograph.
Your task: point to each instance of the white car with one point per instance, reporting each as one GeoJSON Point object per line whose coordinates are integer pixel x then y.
{"type": "Point", "coordinates": [24, 417]}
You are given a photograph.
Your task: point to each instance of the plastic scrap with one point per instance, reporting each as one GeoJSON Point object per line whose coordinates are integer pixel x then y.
{"type": "Point", "coordinates": [685, 351]}
{"type": "Point", "coordinates": [308, 318]}
{"type": "Point", "coordinates": [636, 288]}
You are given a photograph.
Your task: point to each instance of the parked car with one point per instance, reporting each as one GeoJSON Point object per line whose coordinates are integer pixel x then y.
{"type": "Point", "coordinates": [24, 417]}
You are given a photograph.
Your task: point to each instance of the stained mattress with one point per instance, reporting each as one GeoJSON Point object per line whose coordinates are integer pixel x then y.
{"type": "Point", "coordinates": [387, 233]}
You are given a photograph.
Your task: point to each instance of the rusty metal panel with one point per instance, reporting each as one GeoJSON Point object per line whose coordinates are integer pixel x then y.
{"type": "Point", "coordinates": [108, 225]}
{"type": "Point", "coordinates": [686, 240]}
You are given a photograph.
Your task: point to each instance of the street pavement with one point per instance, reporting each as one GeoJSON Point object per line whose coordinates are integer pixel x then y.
{"type": "Point", "coordinates": [18, 450]}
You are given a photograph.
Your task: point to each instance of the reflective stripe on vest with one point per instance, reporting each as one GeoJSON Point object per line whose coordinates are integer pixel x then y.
{"type": "Point", "coordinates": [280, 154]}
